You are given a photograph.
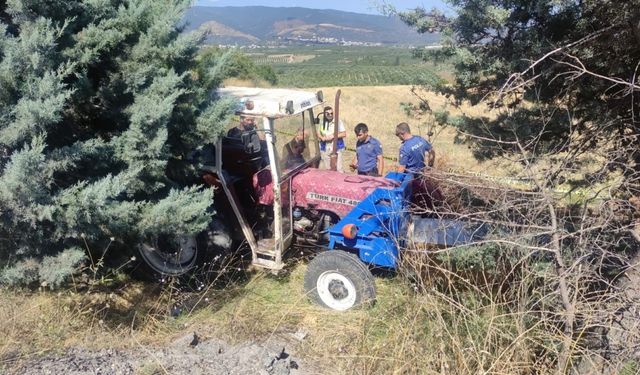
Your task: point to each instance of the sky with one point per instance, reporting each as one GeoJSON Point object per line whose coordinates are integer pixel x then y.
{"type": "Point", "coordinates": [357, 6]}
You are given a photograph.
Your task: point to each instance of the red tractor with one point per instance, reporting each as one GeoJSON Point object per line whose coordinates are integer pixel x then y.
{"type": "Point", "coordinates": [270, 193]}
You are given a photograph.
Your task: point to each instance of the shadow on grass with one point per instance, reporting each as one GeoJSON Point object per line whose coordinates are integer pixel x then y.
{"type": "Point", "coordinates": [125, 302]}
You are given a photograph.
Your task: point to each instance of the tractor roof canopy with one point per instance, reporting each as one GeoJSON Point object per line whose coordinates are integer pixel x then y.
{"type": "Point", "coordinates": [274, 103]}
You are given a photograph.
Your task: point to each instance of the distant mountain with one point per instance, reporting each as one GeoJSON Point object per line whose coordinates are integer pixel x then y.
{"type": "Point", "coordinates": [267, 25]}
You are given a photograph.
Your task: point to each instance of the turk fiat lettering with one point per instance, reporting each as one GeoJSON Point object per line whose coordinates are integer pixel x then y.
{"type": "Point", "coordinates": [331, 199]}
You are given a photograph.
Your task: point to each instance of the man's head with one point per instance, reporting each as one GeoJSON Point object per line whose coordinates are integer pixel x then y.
{"type": "Point", "coordinates": [299, 136]}
{"type": "Point", "coordinates": [297, 144]}
{"type": "Point", "coordinates": [328, 113]}
{"type": "Point", "coordinates": [362, 131]}
{"type": "Point", "coordinates": [247, 122]}
{"type": "Point", "coordinates": [403, 131]}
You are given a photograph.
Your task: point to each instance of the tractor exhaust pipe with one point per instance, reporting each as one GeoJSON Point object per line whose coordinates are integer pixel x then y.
{"type": "Point", "coordinates": [333, 161]}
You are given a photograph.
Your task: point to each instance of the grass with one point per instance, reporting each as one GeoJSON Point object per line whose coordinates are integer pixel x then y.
{"type": "Point", "coordinates": [405, 332]}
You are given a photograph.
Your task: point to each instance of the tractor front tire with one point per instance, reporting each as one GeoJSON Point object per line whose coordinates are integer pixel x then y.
{"type": "Point", "coordinates": [339, 281]}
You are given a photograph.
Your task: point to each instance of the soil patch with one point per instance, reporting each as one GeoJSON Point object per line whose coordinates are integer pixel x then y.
{"type": "Point", "coordinates": [186, 355]}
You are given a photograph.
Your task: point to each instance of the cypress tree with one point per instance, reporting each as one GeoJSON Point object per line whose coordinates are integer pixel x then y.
{"type": "Point", "coordinates": [99, 104]}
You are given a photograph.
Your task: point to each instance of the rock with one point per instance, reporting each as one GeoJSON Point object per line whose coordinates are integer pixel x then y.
{"type": "Point", "coordinates": [300, 334]}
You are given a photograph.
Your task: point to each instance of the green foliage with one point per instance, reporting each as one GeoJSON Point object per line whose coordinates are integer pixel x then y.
{"type": "Point", "coordinates": [97, 99]}
{"type": "Point", "coordinates": [51, 271]}
{"type": "Point", "coordinates": [267, 73]}
{"type": "Point", "coordinates": [357, 75]}
{"type": "Point", "coordinates": [54, 269]}
{"type": "Point", "coordinates": [630, 368]}
{"type": "Point", "coordinates": [237, 64]}
{"type": "Point", "coordinates": [572, 62]}
{"type": "Point", "coordinates": [482, 258]}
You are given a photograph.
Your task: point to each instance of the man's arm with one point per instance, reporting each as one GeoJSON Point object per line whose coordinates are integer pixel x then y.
{"type": "Point", "coordinates": [329, 137]}
{"type": "Point", "coordinates": [379, 157]}
{"type": "Point", "coordinates": [342, 131]}
{"type": "Point", "coordinates": [354, 162]}
{"type": "Point", "coordinates": [402, 161]}
{"type": "Point", "coordinates": [380, 164]}
{"type": "Point", "coordinates": [286, 155]}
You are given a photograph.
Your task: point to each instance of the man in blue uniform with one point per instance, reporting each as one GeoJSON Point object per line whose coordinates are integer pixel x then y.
{"type": "Point", "coordinates": [368, 159]}
{"type": "Point", "coordinates": [415, 151]}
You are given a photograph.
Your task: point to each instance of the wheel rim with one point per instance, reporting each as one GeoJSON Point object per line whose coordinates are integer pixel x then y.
{"type": "Point", "coordinates": [336, 291]}
{"type": "Point", "coordinates": [169, 257]}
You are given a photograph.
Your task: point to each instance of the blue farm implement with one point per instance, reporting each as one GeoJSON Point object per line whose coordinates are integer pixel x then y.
{"type": "Point", "coordinates": [374, 233]}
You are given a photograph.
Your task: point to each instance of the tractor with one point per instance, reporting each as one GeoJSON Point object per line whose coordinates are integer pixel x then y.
{"type": "Point", "coordinates": [271, 195]}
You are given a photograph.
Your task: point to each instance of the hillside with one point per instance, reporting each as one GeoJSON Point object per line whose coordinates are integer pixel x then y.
{"type": "Point", "coordinates": [239, 25]}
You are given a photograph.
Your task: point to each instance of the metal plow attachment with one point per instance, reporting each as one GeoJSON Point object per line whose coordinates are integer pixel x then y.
{"type": "Point", "coordinates": [445, 232]}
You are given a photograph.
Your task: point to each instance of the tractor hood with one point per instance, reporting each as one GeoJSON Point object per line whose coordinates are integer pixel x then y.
{"type": "Point", "coordinates": [324, 190]}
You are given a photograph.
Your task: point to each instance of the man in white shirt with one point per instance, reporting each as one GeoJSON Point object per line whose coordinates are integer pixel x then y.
{"type": "Point", "coordinates": [325, 136]}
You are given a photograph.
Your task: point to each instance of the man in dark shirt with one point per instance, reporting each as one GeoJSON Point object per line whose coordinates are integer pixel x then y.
{"type": "Point", "coordinates": [245, 134]}
{"type": "Point", "coordinates": [368, 159]}
{"type": "Point", "coordinates": [292, 152]}
{"type": "Point", "coordinates": [246, 124]}
{"type": "Point", "coordinates": [415, 151]}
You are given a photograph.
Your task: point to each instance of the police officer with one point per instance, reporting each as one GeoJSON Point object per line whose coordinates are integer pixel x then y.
{"type": "Point", "coordinates": [415, 151]}
{"type": "Point", "coordinates": [368, 159]}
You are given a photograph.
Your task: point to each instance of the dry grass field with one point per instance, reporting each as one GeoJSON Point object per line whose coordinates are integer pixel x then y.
{"type": "Point", "coordinates": [380, 107]}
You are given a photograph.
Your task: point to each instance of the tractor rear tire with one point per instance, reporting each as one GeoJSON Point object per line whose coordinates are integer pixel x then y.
{"type": "Point", "coordinates": [166, 255]}
{"type": "Point", "coordinates": [339, 281]}
{"type": "Point", "coordinates": [181, 256]}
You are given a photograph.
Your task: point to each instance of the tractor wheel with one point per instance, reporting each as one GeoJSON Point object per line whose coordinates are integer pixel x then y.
{"type": "Point", "coordinates": [339, 280]}
{"type": "Point", "coordinates": [167, 255]}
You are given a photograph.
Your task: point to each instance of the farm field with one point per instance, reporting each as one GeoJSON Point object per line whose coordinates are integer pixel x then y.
{"type": "Point", "coordinates": [348, 66]}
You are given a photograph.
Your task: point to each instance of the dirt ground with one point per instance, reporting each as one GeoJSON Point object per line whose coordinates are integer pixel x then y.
{"type": "Point", "coordinates": [185, 355]}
